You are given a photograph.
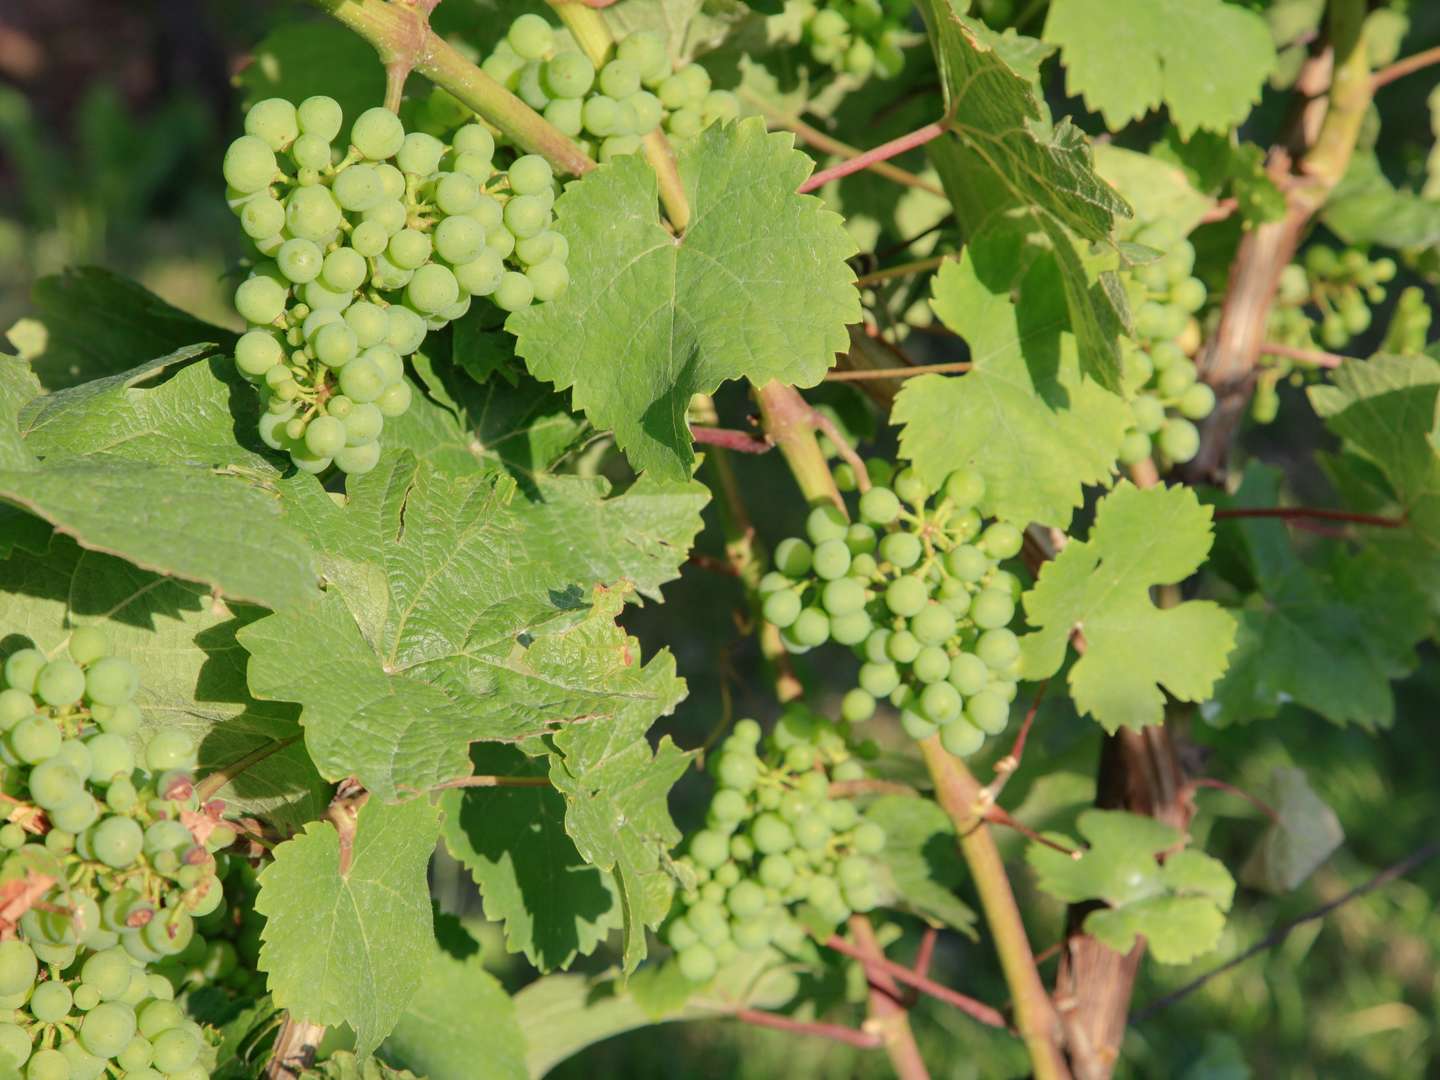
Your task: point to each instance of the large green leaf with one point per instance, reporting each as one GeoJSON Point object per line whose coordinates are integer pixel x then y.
{"type": "Point", "coordinates": [458, 1024]}
{"type": "Point", "coordinates": [192, 670]}
{"type": "Point", "coordinates": [1178, 905]}
{"type": "Point", "coordinates": [1000, 160]}
{"type": "Point", "coordinates": [1126, 57]}
{"type": "Point", "coordinates": [459, 609]}
{"type": "Point", "coordinates": [757, 288]}
{"type": "Point", "coordinates": [89, 323]}
{"type": "Point", "coordinates": [554, 906]}
{"type": "Point", "coordinates": [1023, 416]}
{"type": "Point", "coordinates": [348, 932]}
{"type": "Point", "coordinates": [922, 856]}
{"type": "Point", "coordinates": [1101, 586]}
{"type": "Point", "coordinates": [1328, 633]}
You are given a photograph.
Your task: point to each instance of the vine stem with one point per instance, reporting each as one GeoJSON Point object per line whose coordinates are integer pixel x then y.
{"type": "Point", "coordinates": [887, 1014]}
{"type": "Point", "coordinates": [865, 1040]}
{"type": "Point", "coordinates": [860, 375]}
{"type": "Point", "coordinates": [1035, 1019]}
{"type": "Point", "coordinates": [403, 39]}
{"type": "Point", "coordinates": [811, 136]}
{"type": "Point", "coordinates": [919, 266]}
{"type": "Point", "coordinates": [1398, 70]}
{"type": "Point", "coordinates": [1318, 513]}
{"type": "Point", "coordinates": [977, 1010]}
{"type": "Point", "coordinates": [493, 781]}
{"type": "Point", "coordinates": [883, 152]}
{"type": "Point", "coordinates": [1317, 357]}
{"type": "Point", "coordinates": [730, 439]}
{"type": "Point", "coordinates": [208, 788]}
{"type": "Point", "coordinates": [1215, 784]}
{"type": "Point", "coordinates": [594, 38]}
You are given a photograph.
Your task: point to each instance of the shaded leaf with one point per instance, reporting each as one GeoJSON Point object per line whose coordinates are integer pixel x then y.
{"type": "Point", "coordinates": [1306, 834]}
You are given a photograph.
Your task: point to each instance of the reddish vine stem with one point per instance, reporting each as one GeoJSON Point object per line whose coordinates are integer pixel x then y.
{"type": "Point", "coordinates": [1222, 209]}
{"type": "Point", "coordinates": [1006, 766]}
{"type": "Point", "coordinates": [977, 1010]}
{"type": "Point", "coordinates": [1278, 935]}
{"type": "Point", "coordinates": [926, 952]}
{"type": "Point", "coordinates": [865, 1040]}
{"type": "Point", "coordinates": [998, 815]}
{"type": "Point", "coordinates": [883, 152]}
{"type": "Point", "coordinates": [730, 439]}
{"type": "Point", "coordinates": [1409, 65]}
{"type": "Point", "coordinates": [1317, 357]}
{"type": "Point", "coordinates": [1220, 785]}
{"type": "Point", "coordinates": [887, 1014]}
{"type": "Point", "coordinates": [858, 375]}
{"type": "Point", "coordinates": [827, 427]}
{"type": "Point", "coordinates": [1318, 513]}
{"type": "Point", "coordinates": [848, 789]}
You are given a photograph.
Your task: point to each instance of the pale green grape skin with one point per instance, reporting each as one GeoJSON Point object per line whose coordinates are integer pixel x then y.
{"type": "Point", "coordinates": [394, 400]}
{"type": "Point", "coordinates": [60, 683]}
{"type": "Point", "coordinates": [311, 152]}
{"type": "Point", "coordinates": [22, 668]}
{"type": "Point", "coordinates": [361, 380]}
{"type": "Point", "coordinates": [344, 270]}
{"type": "Point", "coordinates": [1197, 402]}
{"type": "Point", "coordinates": [312, 213]}
{"type": "Point", "coordinates": [459, 239]}
{"type": "Point", "coordinates": [15, 1045]}
{"type": "Point", "coordinates": [514, 292]}
{"type": "Point", "coordinates": [879, 506]}
{"type": "Point", "coordinates": [358, 187]}
{"type": "Point", "coordinates": [377, 133]}
{"type": "Point", "coordinates": [566, 114]}
{"type": "Point", "coordinates": [368, 322]}
{"type": "Point", "coordinates": [568, 75]}
{"type": "Point", "coordinates": [697, 963]}
{"type": "Point", "coordinates": [530, 175]}
{"type": "Point", "coordinates": [117, 841]}
{"type": "Point", "coordinates": [531, 36]}
{"type": "Point", "coordinates": [320, 115]}
{"type": "Point", "coordinates": [249, 164]}
{"type": "Point", "coordinates": [457, 193]}
{"type": "Point", "coordinates": [961, 738]}
{"type": "Point", "coordinates": [432, 289]}
{"type": "Point", "coordinates": [15, 705]}
{"type": "Point", "coordinates": [169, 748]}
{"type": "Point", "coordinates": [1179, 441]}
{"type": "Point", "coordinates": [407, 330]}
{"type": "Point", "coordinates": [324, 435]}
{"type": "Point", "coordinates": [299, 260]}
{"type": "Point", "coordinates": [600, 115]}
{"type": "Point", "coordinates": [34, 739]}
{"type": "Point", "coordinates": [262, 217]}
{"type": "Point", "coordinates": [988, 711]}
{"type": "Point", "coordinates": [409, 249]}
{"type": "Point", "coordinates": [526, 215]}
{"type": "Point", "coordinates": [47, 1065]}
{"type": "Point", "coordinates": [256, 352]}
{"type": "Point", "coordinates": [335, 345]}
{"type": "Point", "coordinates": [260, 300]}
{"type": "Point", "coordinates": [18, 967]}
{"type": "Point", "coordinates": [108, 1028]}
{"type": "Point", "coordinates": [363, 424]}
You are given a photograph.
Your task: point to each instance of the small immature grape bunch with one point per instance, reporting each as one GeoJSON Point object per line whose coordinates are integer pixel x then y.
{"type": "Point", "coordinates": [857, 37]}
{"type": "Point", "coordinates": [916, 589]}
{"type": "Point", "coordinates": [367, 246]}
{"type": "Point", "coordinates": [775, 841]}
{"type": "Point", "coordinates": [1168, 396]}
{"type": "Point", "coordinates": [114, 829]}
{"type": "Point", "coordinates": [609, 111]}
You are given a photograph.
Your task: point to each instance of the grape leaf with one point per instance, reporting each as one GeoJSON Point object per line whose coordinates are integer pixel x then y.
{"type": "Point", "coordinates": [345, 1065]}
{"type": "Point", "coordinates": [1212, 162]}
{"type": "Point", "coordinates": [145, 474]}
{"type": "Point", "coordinates": [300, 58]}
{"type": "Point", "coordinates": [347, 926]}
{"type": "Point", "coordinates": [650, 320]}
{"type": "Point", "coordinates": [1293, 847]}
{"type": "Point", "coordinates": [18, 387]}
{"type": "Point", "coordinates": [560, 1015]}
{"type": "Point", "coordinates": [1022, 416]}
{"type": "Point", "coordinates": [1366, 208]}
{"type": "Point", "coordinates": [553, 904]}
{"type": "Point", "coordinates": [616, 793]}
{"type": "Point", "coordinates": [1126, 57]}
{"type": "Point", "coordinates": [923, 859]}
{"type": "Point", "coordinates": [1329, 633]}
{"type": "Point", "coordinates": [459, 609]}
{"type": "Point", "coordinates": [1178, 906]}
{"type": "Point", "coordinates": [459, 1017]}
{"type": "Point", "coordinates": [1101, 586]}
{"type": "Point", "coordinates": [999, 163]}
{"type": "Point", "coordinates": [192, 671]}
{"type": "Point", "coordinates": [90, 323]}
{"type": "Point", "coordinates": [1155, 189]}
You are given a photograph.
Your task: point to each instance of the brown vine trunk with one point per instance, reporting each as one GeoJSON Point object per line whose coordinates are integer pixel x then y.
{"type": "Point", "coordinates": [1140, 771]}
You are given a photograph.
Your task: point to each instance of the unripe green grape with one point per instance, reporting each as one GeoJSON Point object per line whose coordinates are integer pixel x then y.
{"type": "Point", "coordinates": [335, 345]}
{"type": "Point", "coordinates": [249, 164]}
{"type": "Point", "coordinates": [771, 835]}
{"type": "Point", "coordinates": [312, 213]}
{"type": "Point", "coordinates": [857, 706]}
{"type": "Point", "coordinates": [419, 153]}
{"type": "Point", "coordinates": [906, 596]}
{"type": "Point", "coordinates": [311, 152]}
{"type": "Point", "coordinates": [256, 352]}
{"type": "Point", "coordinates": [910, 487]}
{"type": "Point", "coordinates": [358, 187]}
{"type": "Point", "coordinates": [501, 241]}
{"type": "Point", "coordinates": [377, 133]}
{"type": "Point", "coordinates": [514, 291]}
{"type": "Point", "coordinates": [320, 296]}
{"type": "Point", "coordinates": [394, 400]}
{"type": "Point", "coordinates": [1002, 540]}
{"type": "Point", "coordinates": [810, 628]}
{"type": "Point", "coordinates": [1149, 413]}
{"type": "Point", "coordinates": [931, 664]}
{"type": "Point", "coordinates": [850, 629]}
{"type": "Point", "coordinates": [549, 279]}
{"type": "Point", "coordinates": [61, 682]}
{"type": "Point", "coordinates": [1197, 402]}
{"type": "Point", "coordinates": [15, 1045]}
{"type": "Point", "coordinates": [878, 679]}
{"type": "Point", "coordinates": [457, 193]}
{"type": "Point", "coordinates": [388, 214]}
{"type": "Point", "coordinates": [998, 648]}
{"type": "Point", "coordinates": [344, 270]}
{"type": "Point", "coordinates": [535, 249]}
{"type": "Point", "coordinates": [566, 114]}
{"type": "Point", "coordinates": [992, 608]}
{"type": "Point", "coordinates": [961, 738]}
{"type": "Point", "coordinates": [1134, 448]}
{"type": "Point", "coordinates": [781, 608]}
{"type": "Point", "coordinates": [697, 963]}
{"type": "Point", "coordinates": [900, 549]}
{"type": "Point", "coordinates": [324, 435]}
{"type": "Point", "coordinates": [879, 506]}
{"type": "Point", "coordinates": [273, 120]}
{"type": "Point", "coordinates": [432, 289]}
{"type": "Point", "coordinates": [170, 748]}
{"type": "Point", "coordinates": [320, 115]}
{"type": "Point", "coordinates": [530, 175]}
{"type": "Point", "coordinates": [647, 110]}
{"type": "Point", "coordinates": [18, 967]}
{"type": "Point", "coordinates": [51, 1001]}
{"type": "Point", "coordinates": [842, 596]}
{"type": "Point", "coordinates": [1179, 441]}
{"type": "Point", "coordinates": [988, 711]}
{"type": "Point", "coordinates": [1175, 380]}
{"type": "Point", "coordinates": [831, 559]}
{"type": "Point", "coordinates": [15, 705]}
{"type": "Point", "coordinates": [737, 771]}
{"type": "Point", "coordinates": [600, 115]}
{"type": "Point", "coordinates": [933, 625]}
{"type": "Point", "coordinates": [459, 239]}
{"type": "Point", "coordinates": [368, 322]}
{"type": "Point", "coordinates": [361, 380]}
{"type": "Point", "coordinates": [52, 783]}
{"type": "Point", "coordinates": [262, 216]}
{"type": "Point", "coordinates": [1189, 294]}
{"type": "Point", "coordinates": [34, 739]}
{"type": "Point", "coordinates": [793, 557]}
{"type": "Point", "coordinates": [720, 105]}
{"type": "Point", "coordinates": [526, 215]}
{"type": "Point", "coordinates": [407, 330]}
{"type": "Point", "coordinates": [903, 646]}
{"type": "Point", "coordinates": [686, 122]}
{"type": "Point", "coordinates": [409, 249]}
{"type": "Point", "coordinates": [481, 276]}
{"type": "Point", "coordinates": [531, 37]}
{"type": "Point", "coordinates": [260, 300]}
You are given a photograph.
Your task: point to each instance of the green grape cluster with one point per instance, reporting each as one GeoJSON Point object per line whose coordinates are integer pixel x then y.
{"type": "Point", "coordinates": [778, 852]}
{"type": "Point", "coordinates": [223, 958]}
{"type": "Point", "coordinates": [918, 593]}
{"type": "Point", "coordinates": [1323, 300]}
{"type": "Point", "coordinates": [366, 247]}
{"type": "Point", "coordinates": [1168, 398]}
{"type": "Point", "coordinates": [611, 110]}
{"type": "Point", "coordinates": [855, 37]}
{"type": "Point", "coordinates": [129, 855]}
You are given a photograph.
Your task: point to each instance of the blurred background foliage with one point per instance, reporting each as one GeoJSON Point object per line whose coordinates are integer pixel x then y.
{"type": "Point", "coordinates": [113, 117]}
